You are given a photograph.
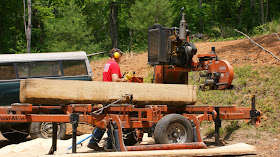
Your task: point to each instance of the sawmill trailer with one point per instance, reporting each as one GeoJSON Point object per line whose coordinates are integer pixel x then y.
{"type": "Point", "coordinates": [172, 126]}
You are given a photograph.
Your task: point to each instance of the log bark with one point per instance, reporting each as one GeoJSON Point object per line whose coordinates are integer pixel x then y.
{"type": "Point", "coordinates": [55, 92]}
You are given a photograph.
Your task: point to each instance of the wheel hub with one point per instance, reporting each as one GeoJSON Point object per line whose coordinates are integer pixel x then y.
{"type": "Point", "coordinates": [46, 129]}
{"type": "Point", "coordinates": [176, 133]}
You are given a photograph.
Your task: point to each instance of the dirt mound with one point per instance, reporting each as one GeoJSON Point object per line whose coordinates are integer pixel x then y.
{"type": "Point", "coordinates": [242, 51]}
{"type": "Point", "coordinates": [237, 52]}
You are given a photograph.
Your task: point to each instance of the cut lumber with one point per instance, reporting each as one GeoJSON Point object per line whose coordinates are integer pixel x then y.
{"type": "Point", "coordinates": [55, 92]}
{"type": "Point", "coordinates": [235, 149]}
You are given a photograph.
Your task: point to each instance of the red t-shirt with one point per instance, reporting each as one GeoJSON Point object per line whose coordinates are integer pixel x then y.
{"type": "Point", "coordinates": [111, 67]}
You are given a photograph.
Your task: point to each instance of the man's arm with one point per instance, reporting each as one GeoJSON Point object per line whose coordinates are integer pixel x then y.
{"type": "Point", "coordinates": [115, 78]}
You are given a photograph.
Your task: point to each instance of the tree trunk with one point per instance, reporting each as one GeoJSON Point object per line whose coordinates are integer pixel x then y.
{"type": "Point", "coordinates": [200, 18]}
{"type": "Point", "coordinates": [113, 25]}
{"type": "Point", "coordinates": [213, 13]}
{"type": "Point", "coordinates": [253, 11]}
{"type": "Point", "coordinates": [130, 39]}
{"type": "Point", "coordinates": [261, 14]}
{"type": "Point", "coordinates": [28, 34]}
{"type": "Point", "coordinates": [253, 6]}
{"type": "Point", "coordinates": [24, 20]}
{"type": "Point", "coordinates": [241, 8]}
{"type": "Point", "coordinates": [266, 16]}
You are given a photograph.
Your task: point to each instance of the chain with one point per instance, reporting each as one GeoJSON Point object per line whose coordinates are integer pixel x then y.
{"type": "Point", "coordinates": [99, 111]}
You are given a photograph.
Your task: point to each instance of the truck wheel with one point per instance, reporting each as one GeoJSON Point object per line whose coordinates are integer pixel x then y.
{"type": "Point", "coordinates": [173, 128]}
{"type": "Point", "coordinates": [15, 133]}
{"type": "Point", "coordinates": [44, 130]}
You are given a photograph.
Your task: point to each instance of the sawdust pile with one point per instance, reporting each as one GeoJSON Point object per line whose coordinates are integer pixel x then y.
{"type": "Point", "coordinates": [42, 146]}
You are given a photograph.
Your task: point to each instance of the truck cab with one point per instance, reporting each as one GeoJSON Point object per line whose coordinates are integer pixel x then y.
{"type": "Point", "coordinates": [15, 67]}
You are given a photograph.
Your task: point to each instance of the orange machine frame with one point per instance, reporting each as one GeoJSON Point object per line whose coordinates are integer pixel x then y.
{"type": "Point", "coordinates": [120, 114]}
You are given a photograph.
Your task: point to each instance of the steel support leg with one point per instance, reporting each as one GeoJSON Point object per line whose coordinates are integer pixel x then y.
{"type": "Point", "coordinates": [54, 138]}
{"type": "Point", "coordinates": [74, 119]}
{"type": "Point", "coordinates": [218, 124]}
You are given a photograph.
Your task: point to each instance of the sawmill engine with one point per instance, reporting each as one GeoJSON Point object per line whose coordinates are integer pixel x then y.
{"type": "Point", "coordinates": [170, 46]}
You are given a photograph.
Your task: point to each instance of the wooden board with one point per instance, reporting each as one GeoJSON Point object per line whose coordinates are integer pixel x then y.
{"type": "Point", "coordinates": [235, 149]}
{"type": "Point", "coordinates": [54, 92]}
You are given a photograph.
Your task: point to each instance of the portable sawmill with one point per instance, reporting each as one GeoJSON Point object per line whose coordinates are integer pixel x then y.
{"type": "Point", "coordinates": [172, 54]}
{"type": "Point", "coordinates": [129, 115]}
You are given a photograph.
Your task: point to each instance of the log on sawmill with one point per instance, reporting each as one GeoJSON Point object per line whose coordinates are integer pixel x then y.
{"type": "Point", "coordinates": [54, 92]}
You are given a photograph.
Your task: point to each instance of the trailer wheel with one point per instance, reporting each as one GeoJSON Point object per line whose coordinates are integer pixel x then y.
{"type": "Point", "coordinates": [44, 130]}
{"type": "Point", "coordinates": [173, 128]}
{"type": "Point", "coordinates": [16, 132]}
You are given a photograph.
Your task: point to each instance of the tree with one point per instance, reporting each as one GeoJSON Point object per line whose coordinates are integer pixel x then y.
{"type": "Point", "coordinates": [200, 17]}
{"type": "Point", "coordinates": [113, 24]}
{"type": "Point", "coordinates": [68, 30]}
{"type": "Point", "coordinates": [145, 13]}
{"type": "Point", "coordinates": [261, 11]}
{"type": "Point", "coordinates": [27, 28]}
{"type": "Point", "coordinates": [12, 38]}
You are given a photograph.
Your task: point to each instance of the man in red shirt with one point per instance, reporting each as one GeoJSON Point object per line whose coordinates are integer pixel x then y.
{"type": "Point", "coordinates": [111, 73]}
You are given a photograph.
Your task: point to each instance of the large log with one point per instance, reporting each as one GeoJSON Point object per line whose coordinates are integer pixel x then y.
{"type": "Point", "coordinates": [54, 92]}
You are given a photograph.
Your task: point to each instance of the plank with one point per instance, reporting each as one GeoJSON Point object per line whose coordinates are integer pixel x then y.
{"type": "Point", "coordinates": [54, 92]}
{"type": "Point", "coordinates": [235, 149]}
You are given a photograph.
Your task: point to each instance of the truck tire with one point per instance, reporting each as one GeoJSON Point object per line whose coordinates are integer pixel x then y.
{"type": "Point", "coordinates": [44, 130]}
{"type": "Point", "coordinates": [15, 132]}
{"type": "Point", "coordinates": [173, 128]}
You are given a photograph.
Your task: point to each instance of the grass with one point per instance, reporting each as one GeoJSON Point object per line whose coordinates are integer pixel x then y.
{"type": "Point", "coordinates": [262, 81]}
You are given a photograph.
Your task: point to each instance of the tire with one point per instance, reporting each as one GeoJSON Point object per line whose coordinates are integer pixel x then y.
{"type": "Point", "coordinates": [9, 131]}
{"type": "Point", "coordinates": [173, 128]}
{"type": "Point", "coordinates": [44, 130]}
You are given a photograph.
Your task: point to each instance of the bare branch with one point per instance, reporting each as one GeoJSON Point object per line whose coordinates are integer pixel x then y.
{"type": "Point", "coordinates": [257, 44]}
{"type": "Point", "coordinates": [276, 35]}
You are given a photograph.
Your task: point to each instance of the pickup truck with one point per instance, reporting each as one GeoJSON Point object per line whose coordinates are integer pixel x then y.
{"type": "Point", "coordinates": [14, 67]}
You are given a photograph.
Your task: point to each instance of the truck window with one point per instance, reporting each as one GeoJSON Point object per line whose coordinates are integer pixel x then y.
{"type": "Point", "coordinates": [74, 68]}
{"type": "Point", "coordinates": [39, 69]}
{"type": "Point", "coordinates": [7, 71]}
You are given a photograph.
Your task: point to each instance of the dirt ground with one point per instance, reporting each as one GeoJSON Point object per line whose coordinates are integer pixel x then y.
{"type": "Point", "coordinates": [238, 53]}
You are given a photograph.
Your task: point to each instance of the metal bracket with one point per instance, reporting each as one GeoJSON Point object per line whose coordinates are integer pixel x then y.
{"type": "Point", "coordinates": [218, 125]}
{"type": "Point", "coordinates": [54, 138]}
{"type": "Point", "coordinates": [74, 119]}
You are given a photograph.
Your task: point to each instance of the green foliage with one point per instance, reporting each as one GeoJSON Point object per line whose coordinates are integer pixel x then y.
{"type": "Point", "coordinates": [146, 13]}
{"type": "Point", "coordinates": [53, 28]}
{"type": "Point", "coordinates": [68, 31]}
{"type": "Point", "coordinates": [12, 36]}
{"type": "Point", "coordinates": [271, 27]}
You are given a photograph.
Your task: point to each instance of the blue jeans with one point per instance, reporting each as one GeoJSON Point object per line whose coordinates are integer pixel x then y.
{"type": "Point", "coordinates": [97, 136]}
